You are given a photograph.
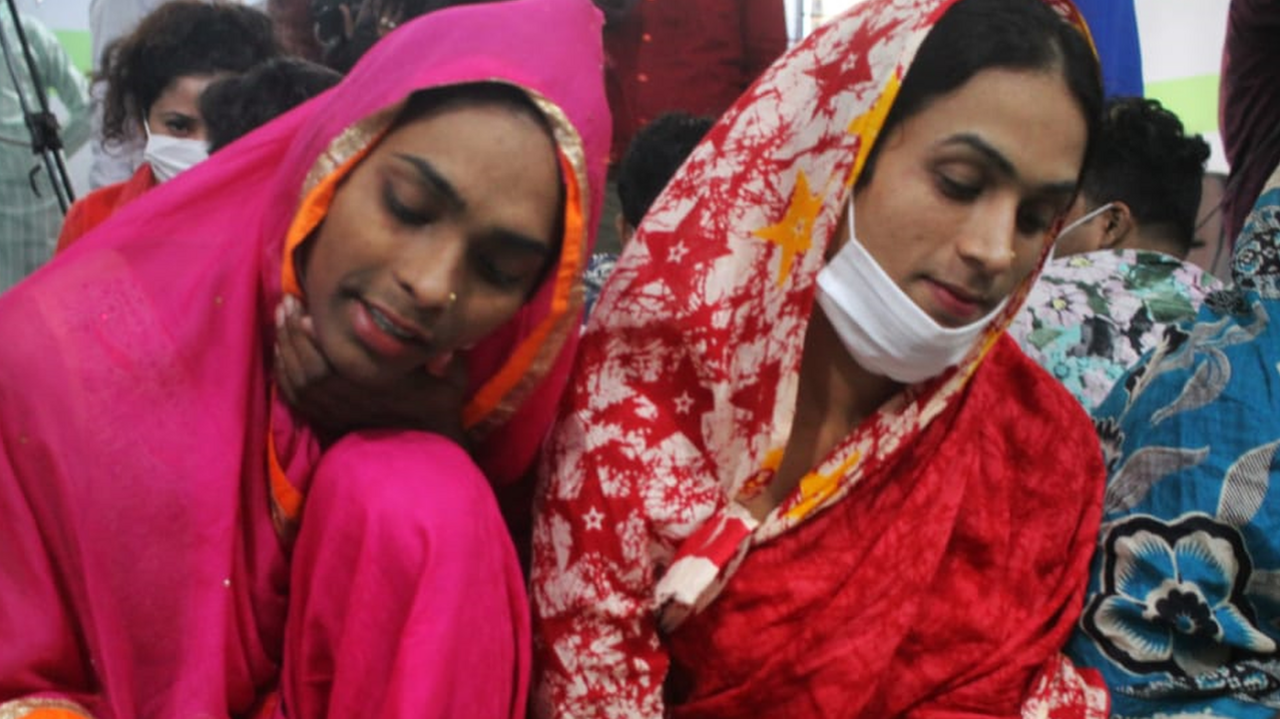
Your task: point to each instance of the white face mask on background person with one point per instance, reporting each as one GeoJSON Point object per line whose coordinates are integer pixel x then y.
{"type": "Point", "coordinates": [171, 156]}
{"type": "Point", "coordinates": [884, 330]}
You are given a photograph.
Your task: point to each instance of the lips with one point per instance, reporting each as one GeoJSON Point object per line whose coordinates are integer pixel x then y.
{"type": "Point", "coordinates": [958, 303]}
{"type": "Point", "coordinates": [386, 334]}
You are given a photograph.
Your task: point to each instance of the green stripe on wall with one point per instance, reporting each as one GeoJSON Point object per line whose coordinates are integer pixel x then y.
{"type": "Point", "coordinates": [1193, 99]}
{"type": "Point", "coordinates": [79, 46]}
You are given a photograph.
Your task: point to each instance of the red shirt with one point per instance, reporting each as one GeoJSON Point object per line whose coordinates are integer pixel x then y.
{"type": "Point", "coordinates": [89, 211]}
{"type": "Point", "coordinates": [691, 55]}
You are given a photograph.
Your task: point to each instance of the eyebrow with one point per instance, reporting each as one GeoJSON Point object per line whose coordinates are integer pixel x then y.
{"type": "Point", "coordinates": [1004, 165]}
{"type": "Point", "coordinates": [521, 243]}
{"type": "Point", "coordinates": [431, 177]}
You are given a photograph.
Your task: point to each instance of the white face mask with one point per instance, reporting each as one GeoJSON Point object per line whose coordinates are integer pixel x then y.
{"type": "Point", "coordinates": [170, 156]}
{"type": "Point", "coordinates": [884, 330]}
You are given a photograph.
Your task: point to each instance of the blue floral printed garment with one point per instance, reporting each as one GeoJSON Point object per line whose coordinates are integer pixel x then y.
{"type": "Point", "coordinates": [1183, 611]}
{"type": "Point", "coordinates": [599, 267]}
{"type": "Point", "coordinates": [1090, 317]}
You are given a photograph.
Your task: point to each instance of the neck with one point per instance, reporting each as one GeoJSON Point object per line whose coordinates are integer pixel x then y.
{"type": "Point", "coordinates": [832, 384]}
{"type": "Point", "coordinates": [1153, 241]}
{"type": "Point", "coordinates": [835, 395]}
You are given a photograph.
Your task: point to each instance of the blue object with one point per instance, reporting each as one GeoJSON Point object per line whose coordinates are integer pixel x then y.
{"type": "Point", "coordinates": [1114, 25]}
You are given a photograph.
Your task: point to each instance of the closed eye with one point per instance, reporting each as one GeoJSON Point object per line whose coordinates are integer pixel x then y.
{"type": "Point", "coordinates": [957, 190]}
{"type": "Point", "coordinates": [402, 211]}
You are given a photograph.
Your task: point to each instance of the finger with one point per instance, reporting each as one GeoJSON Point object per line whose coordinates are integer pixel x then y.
{"type": "Point", "coordinates": [305, 350]}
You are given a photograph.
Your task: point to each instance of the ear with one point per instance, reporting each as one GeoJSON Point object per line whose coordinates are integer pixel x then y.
{"type": "Point", "coordinates": [1118, 226]}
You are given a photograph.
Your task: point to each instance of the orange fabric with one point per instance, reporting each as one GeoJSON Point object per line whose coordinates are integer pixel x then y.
{"type": "Point", "coordinates": [91, 210]}
{"type": "Point", "coordinates": [314, 207]}
{"type": "Point", "coordinates": [285, 498]}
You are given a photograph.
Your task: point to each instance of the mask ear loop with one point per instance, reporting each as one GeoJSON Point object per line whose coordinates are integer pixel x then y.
{"type": "Point", "coordinates": [1083, 219]}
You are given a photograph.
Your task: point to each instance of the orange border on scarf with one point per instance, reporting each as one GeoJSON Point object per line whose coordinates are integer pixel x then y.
{"type": "Point", "coordinates": [285, 497]}
{"type": "Point", "coordinates": [492, 393]}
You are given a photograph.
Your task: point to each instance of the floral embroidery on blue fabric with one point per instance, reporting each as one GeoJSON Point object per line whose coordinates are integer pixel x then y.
{"type": "Point", "coordinates": [1254, 680]}
{"type": "Point", "coordinates": [1173, 599]}
{"type": "Point", "coordinates": [1257, 260]}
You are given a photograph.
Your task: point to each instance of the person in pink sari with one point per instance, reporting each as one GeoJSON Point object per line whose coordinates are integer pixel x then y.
{"type": "Point", "coordinates": [178, 541]}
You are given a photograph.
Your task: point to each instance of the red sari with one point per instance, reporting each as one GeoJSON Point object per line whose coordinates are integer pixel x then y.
{"type": "Point", "coordinates": [931, 565]}
{"type": "Point", "coordinates": [936, 588]}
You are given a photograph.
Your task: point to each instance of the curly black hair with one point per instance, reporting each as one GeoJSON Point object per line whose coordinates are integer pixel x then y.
{"type": "Point", "coordinates": [1146, 160]}
{"type": "Point", "coordinates": [180, 38]}
{"type": "Point", "coordinates": [233, 106]}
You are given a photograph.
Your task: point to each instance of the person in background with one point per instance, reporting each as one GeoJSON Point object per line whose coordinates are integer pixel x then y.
{"type": "Point", "coordinates": [1249, 103]}
{"type": "Point", "coordinates": [154, 79]}
{"type": "Point", "coordinates": [346, 29]}
{"type": "Point", "coordinates": [234, 106]}
{"type": "Point", "coordinates": [1119, 275]}
{"type": "Point", "coordinates": [697, 57]}
{"type": "Point", "coordinates": [110, 20]}
{"type": "Point", "coordinates": [30, 216]}
{"type": "Point", "coordinates": [801, 471]}
{"type": "Point", "coordinates": [179, 539]}
{"type": "Point", "coordinates": [295, 28]}
{"type": "Point", "coordinates": [656, 152]}
{"type": "Point", "coordinates": [1183, 611]}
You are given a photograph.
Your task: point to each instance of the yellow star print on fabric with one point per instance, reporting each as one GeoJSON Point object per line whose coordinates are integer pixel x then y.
{"type": "Point", "coordinates": [817, 488]}
{"type": "Point", "coordinates": [794, 233]}
{"type": "Point", "coordinates": [867, 125]}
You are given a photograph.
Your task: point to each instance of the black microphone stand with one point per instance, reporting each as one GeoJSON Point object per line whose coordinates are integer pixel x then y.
{"type": "Point", "coordinates": [42, 124]}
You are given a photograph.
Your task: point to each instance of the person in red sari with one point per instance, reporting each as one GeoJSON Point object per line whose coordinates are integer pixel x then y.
{"type": "Point", "coordinates": [800, 470]}
{"type": "Point", "coordinates": [180, 542]}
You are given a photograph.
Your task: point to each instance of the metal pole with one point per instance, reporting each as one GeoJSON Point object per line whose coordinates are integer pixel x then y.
{"type": "Point", "coordinates": [43, 125]}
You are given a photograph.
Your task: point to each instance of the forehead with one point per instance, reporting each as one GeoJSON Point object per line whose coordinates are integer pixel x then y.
{"type": "Point", "coordinates": [1030, 117]}
{"type": "Point", "coordinates": [498, 161]}
{"type": "Point", "coordinates": [183, 93]}
{"type": "Point", "coordinates": [492, 123]}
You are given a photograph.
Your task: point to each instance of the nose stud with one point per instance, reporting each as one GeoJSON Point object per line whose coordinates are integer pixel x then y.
{"type": "Point", "coordinates": [453, 297]}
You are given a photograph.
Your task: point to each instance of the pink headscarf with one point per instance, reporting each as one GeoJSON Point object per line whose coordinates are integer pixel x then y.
{"type": "Point", "coordinates": [141, 574]}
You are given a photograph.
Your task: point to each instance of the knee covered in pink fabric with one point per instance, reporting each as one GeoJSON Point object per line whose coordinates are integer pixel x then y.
{"type": "Point", "coordinates": [411, 480]}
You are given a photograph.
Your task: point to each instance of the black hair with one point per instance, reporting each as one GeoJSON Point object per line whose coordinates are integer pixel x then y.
{"type": "Point", "coordinates": [977, 35]}
{"type": "Point", "coordinates": [1147, 161]}
{"type": "Point", "coordinates": [234, 106]}
{"type": "Point", "coordinates": [656, 151]}
{"type": "Point", "coordinates": [371, 19]}
{"type": "Point", "coordinates": [180, 38]}
{"type": "Point", "coordinates": [472, 94]}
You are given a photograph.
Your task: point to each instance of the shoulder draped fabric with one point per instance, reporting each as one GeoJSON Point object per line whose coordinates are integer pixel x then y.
{"type": "Point", "coordinates": [1183, 610]}
{"type": "Point", "coordinates": [142, 573]}
{"type": "Point", "coordinates": [680, 409]}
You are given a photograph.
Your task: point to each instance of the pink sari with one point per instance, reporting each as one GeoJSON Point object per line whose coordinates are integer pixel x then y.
{"type": "Point", "coordinates": [142, 574]}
